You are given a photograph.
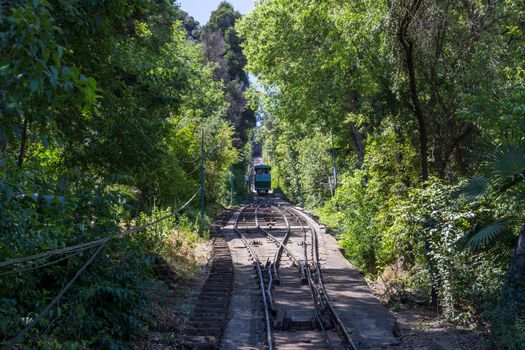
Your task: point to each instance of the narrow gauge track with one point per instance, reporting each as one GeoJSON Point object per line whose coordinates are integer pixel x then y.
{"type": "Point", "coordinates": [259, 269]}
{"type": "Point", "coordinates": [298, 313]}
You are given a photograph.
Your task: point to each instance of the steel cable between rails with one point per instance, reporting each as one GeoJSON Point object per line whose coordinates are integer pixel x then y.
{"type": "Point", "coordinates": [59, 296]}
{"type": "Point", "coordinates": [91, 244]}
{"type": "Point", "coordinates": [316, 298]}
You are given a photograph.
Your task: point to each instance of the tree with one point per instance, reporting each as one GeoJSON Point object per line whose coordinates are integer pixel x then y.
{"type": "Point", "coordinates": [223, 47]}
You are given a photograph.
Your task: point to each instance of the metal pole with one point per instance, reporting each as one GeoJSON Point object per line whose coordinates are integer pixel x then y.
{"type": "Point", "coordinates": [202, 179]}
{"type": "Point", "coordinates": [232, 178]}
{"type": "Point", "coordinates": [333, 159]}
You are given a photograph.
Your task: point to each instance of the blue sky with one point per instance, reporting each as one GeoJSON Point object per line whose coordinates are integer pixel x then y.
{"type": "Point", "coordinates": [201, 9]}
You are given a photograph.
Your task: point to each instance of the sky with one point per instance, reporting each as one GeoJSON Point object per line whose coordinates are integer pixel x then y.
{"type": "Point", "coordinates": [201, 9]}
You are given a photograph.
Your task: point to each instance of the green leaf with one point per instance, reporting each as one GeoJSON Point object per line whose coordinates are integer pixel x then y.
{"type": "Point", "coordinates": [54, 81]}
{"type": "Point", "coordinates": [56, 59]}
{"type": "Point", "coordinates": [7, 191]}
{"type": "Point", "coordinates": [509, 161]}
{"type": "Point", "coordinates": [33, 85]}
{"type": "Point", "coordinates": [16, 129]}
{"type": "Point", "coordinates": [48, 199]}
{"type": "Point", "coordinates": [91, 83]}
{"type": "Point", "coordinates": [45, 141]}
{"type": "Point", "coordinates": [486, 234]}
{"type": "Point", "coordinates": [60, 200]}
{"type": "Point", "coordinates": [475, 187]}
{"type": "Point", "coordinates": [68, 86]}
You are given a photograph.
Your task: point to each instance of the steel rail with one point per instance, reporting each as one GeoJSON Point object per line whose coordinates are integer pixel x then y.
{"type": "Point", "coordinates": [315, 252]}
{"type": "Point", "coordinates": [300, 264]}
{"type": "Point", "coordinates": [314, 292]}
{"type": "Point", "coordinates": [316, 297]}
{"type": "Point", "coordinates": [304, 271]}
{"type": "Point", "coordinates": [269, 331]}
{"type": "Point", "coordinates": [271, 270]}
{"type": "Point", "coordinates": [285, 239]}
{"type": "Point", "coordinates": [282, 245]}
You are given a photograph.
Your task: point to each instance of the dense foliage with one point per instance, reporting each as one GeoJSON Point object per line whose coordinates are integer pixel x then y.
{"type": "Point", "coordinates": [102, 108]}
{"type": "Point", "coordinates": [222, 46]}
{"type": "Point", "coordinates": [401, 122]}
{"type": "Point", "coordinates": [425, 101]}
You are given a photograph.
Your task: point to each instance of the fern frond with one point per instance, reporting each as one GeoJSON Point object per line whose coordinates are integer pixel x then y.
{"type": "Point", "coordinates": [486, 234]}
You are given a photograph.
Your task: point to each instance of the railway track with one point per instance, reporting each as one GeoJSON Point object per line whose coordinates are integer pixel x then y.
{"type": "Point", "coordinates": [284, 248]}
{"type": "Point", "coordinates": [209, 317]}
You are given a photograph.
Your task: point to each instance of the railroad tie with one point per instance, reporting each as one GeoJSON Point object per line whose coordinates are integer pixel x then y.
{"type": "Point", "coordinates": [206, 326]}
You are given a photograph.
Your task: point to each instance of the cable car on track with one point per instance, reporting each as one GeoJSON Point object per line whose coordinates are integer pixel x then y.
{"type": "Point", "coordinates": [263, 179]}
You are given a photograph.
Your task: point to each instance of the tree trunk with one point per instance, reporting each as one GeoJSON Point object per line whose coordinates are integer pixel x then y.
{"type": "Point", "coordinates": [23, 143]}
{"type": "Point", "coordinates": [357, 142]}
{"type": "Point", "coordinates": [455, 145]}
{"type": "Point", "coordinates": [418, 111]}
{"type": "Point", "coordinates": [518, 264]}
{"type": "Point", "coordinates": [333, 162]}
{"type": "Point", "coordinates": [514, 283]}
{"type": "Point", "coordinates": [3, 145]}
{"type": "Point", "coordinates": [408, 47]}
{"type": "Point", "coordinates": [357, 137]}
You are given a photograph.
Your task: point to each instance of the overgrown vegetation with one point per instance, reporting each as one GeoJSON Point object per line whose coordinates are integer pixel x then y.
{"type": "Point", "coordinates": [102, 107]}
{"type": "Point", "coordinates": [401, 122]}
{"type": "Point", "coordinates": [425, 101]}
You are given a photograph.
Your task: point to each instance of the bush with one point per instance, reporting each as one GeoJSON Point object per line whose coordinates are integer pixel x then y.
{"type": "Point", "coordinates": [109, 303]}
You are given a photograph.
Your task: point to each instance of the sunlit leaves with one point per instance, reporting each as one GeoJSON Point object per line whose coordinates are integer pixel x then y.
{"type": "Point", "coordinates": [32, 67]}
{"type": "Point", "coordinates": [109, 98]}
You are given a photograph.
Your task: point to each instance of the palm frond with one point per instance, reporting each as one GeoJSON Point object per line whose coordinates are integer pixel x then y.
{"type": "Point", "coordinates": [476, 186]}
{"type": "Point", "coordinates": [129, 191]}
{"type": "Point", "coordinates": [486, 234]}
{"type": "Point", "coordinates": [509, 161]}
